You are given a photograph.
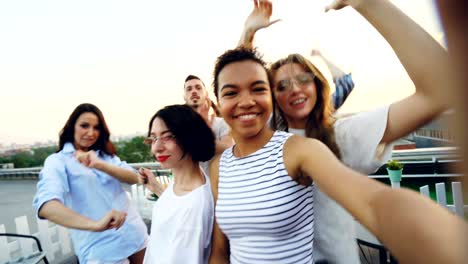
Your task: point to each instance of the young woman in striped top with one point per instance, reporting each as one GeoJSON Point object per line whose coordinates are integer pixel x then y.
{"type": "Point", "coordinates": [362, 141]}
{"type": "Point", "coordinates": [262, 185]}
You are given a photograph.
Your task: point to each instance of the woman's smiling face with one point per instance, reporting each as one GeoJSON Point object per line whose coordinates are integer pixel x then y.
{"type": "Point", "coordinates": [165, 148]}
{"type": "Point", "coordinates": [245, 99]}
{"type": "Point", "coordinates": [87, 131]}
{"type": "Point", "coordinates": [298, 98]}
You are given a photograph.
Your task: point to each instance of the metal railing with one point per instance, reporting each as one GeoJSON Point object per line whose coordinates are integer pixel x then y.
{"type": "Point", "coordinates": [419, 163]}
{"type": "Point", "coordinates": [33, 173]}
{"type": "Point", "coordinates": [424, 163]}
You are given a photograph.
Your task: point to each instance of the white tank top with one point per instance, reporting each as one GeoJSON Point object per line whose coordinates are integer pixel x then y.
{"type": "Point", "coordinates": [181, 227]}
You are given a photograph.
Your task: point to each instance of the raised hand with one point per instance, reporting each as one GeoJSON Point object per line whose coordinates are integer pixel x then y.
{"type": "Point", "coordinates": [339, 4]}
{"type": "Point", "coordinates": [260, 16]}
{"type": "Point", "coordinates": [87, 158]}
{"type": "Point", "coordinates": [204, 110]}
{"type": "Point", "coordinates": [113, 219]}
{"type": "Point", "coordinates": [315, 52]}
{"type": "Point", "coordinates": [147, 178]}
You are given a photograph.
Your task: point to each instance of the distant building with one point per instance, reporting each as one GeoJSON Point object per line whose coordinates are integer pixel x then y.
{"type": "Point", "coordinates": [404, 144]}
{"type": "Point", "coordinates": [435, 134]}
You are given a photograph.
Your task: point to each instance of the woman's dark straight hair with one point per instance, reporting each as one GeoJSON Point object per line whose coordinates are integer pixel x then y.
{"type": "Point", "coordinates": [103, 143]}
{"type": "Point", "coordinates": [191, 132]}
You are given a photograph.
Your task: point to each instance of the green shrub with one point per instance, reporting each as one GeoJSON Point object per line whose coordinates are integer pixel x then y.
{"type": "Point", "coordinates": [394, 165]}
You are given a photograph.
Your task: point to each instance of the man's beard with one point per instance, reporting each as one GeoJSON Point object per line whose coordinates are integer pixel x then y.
{"type": "Point", "coordinates": [194, 106]}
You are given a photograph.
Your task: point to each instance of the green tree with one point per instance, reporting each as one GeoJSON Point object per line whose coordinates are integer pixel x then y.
{"type": "Point", "coordinates": [134, 150]}
{"type": "Point", "coordinates": [131, 151]}
{"type": "Point", "coordinates": [27, 159]}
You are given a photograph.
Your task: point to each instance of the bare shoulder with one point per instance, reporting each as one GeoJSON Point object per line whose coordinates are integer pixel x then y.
{"type": "Point", "coordinates": [298, 145]}
{"type": "Point", "coordinates": [297, 150]}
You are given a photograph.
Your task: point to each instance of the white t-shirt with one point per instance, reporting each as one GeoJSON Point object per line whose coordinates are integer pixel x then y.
{"type": "Point", "coordinates": [358, 137]}
{"type": "Point", "coordinates": [181, 227]}
{"type": "Point", "coordinates": [220, 129]}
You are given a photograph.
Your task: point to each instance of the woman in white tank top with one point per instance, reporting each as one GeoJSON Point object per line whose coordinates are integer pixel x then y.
{"type": "Point", "coordinates": [182, 217]}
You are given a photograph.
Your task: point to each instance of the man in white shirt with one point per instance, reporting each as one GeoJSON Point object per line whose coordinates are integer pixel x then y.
{"type": "Point", "coordinates": [196, 96]}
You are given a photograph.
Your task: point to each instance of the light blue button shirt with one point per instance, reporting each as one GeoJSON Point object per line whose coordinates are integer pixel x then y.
{"type": "Point", "coordinates": [91, 193]}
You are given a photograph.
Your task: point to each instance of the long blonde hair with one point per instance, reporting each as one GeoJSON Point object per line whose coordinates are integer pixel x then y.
{"type": "Point", "coordinates": [319, 124]}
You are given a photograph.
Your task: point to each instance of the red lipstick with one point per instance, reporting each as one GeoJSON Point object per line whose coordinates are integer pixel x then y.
{"type": "Point", "coordinates": [162, 158]}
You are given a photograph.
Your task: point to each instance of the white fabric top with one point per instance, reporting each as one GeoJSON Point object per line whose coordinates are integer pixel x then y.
{"type": "Point", "coordinates": [358, 137]}
{"type": "Point", "coordinates": [220, 129]}
{"type": "Point", "coordinates": [181, 227]}
{"type": "Point", "coordinates": [266, 215]}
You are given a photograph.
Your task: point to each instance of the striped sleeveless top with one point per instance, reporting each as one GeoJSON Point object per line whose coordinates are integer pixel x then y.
{"type": "Point", "coordinates": [266, 215]}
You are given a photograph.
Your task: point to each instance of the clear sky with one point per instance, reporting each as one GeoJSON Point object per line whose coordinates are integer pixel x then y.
{"type": "Point", "coordinates": [130, 58]}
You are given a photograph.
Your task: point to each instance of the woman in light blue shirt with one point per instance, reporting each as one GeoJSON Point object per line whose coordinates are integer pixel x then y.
{"type": "Point", "coordinates": [80, 188]}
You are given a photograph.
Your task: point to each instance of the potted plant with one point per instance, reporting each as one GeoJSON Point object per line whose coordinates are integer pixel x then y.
{"type": "Point", "coordinates": [394, 169]}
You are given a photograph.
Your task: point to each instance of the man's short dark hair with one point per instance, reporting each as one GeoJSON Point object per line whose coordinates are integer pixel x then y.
{"type": "Point", "coordinates": [193, 77]}
{"type": "Point", "coordinates": [192, 133]}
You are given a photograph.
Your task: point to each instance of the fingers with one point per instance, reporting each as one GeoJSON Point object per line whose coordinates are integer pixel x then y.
{"type": "Point", "coordinates": [142, 177]}
{"type": "Point", "coordinates": [205, 106]}
{"type": "Point", "coordinates": [146, 172]}
{"type": "Point", "coordinates": [147, 178]}
{"type": "Point", "coordinates": [265, 10]}
{"type": "Point", "coordinates": [151, 181]}
{"type": "Point", "coordinates": [88, 158]}
{"type": "Point", "coordinates": [82, 157]}
{"type": "Point", "coordinates": [336, 5]}
{"type": "Point", "coordinates": [268, 7]}
{"type": "Point", "coordinates": [274, 21]}
{"type": "Point", "coordinates": [117, 220]}
{"type": "Point", "coordinates": [331, 6]}
{"type": "Point", "coordinates": [113, 219]}
{"type": "Point", "coordinates": [315, 52]}
{"type": "Point", "coordinates": [265, 6]}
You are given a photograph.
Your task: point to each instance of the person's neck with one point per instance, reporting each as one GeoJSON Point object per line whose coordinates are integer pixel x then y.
{"type": "Point", "coordinates": [296, 123]}
{"type": "Point", "coordinates": [247, 145]}
{"type": "Point", "coordinates": [187, 177]}
{"type": "Point", "coordinates": [80, 148]}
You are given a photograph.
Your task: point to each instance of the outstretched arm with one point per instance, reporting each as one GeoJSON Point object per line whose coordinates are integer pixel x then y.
{"type": "Point", "coordinates": [58, 213]}
{"type": "Point", "coordinates": [259, 18]}
{"type": "Point", "coordinates": [422, 57]}
{"type": "Point", "coordinates": [91, 160]}
{"type": "Point", "coordinates": [414, 228]}
{"type": "Point", "coordinates": [335, 71]}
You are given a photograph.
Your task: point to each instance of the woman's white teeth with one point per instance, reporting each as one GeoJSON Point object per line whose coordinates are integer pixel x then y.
{"type": "Point", "coordinates": [298, 101]}
{"type": "Point", "coordinates": [247, 117]}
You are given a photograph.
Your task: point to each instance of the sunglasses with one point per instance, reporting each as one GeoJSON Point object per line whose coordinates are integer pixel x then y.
{"type": "Point", "coordinates": [163, 139]}
{"type": "Point", "coordinates": [300, 80]}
